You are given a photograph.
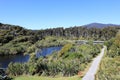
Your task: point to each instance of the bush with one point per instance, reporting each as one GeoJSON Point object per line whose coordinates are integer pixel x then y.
{"type": "Point", "coordinates": [65, 49]}
{"type": "Point", "coordinates": [14, 48]}
{"type": "Point", "coordinates": [70, 60]}
{"type": "Point", "coordinates": [110, 65]}
{"type": "Point", "coordinates": [16, 69]}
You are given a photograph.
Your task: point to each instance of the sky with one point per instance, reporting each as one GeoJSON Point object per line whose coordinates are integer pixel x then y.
{"type": "Point", "coordinates": [43, 14]}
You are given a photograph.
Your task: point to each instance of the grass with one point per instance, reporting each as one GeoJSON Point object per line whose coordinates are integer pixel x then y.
{"type": "Point", "coordinates": [46, 78]}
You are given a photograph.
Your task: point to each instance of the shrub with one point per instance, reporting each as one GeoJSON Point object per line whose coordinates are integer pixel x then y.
{"type": "Point", "coordinates": [16, 69]}
{"type": "Point", "coordinates": [110, 65]}
{"type": "Point", "coordinates": [65, 49]}
{"type": "Point", "coordinates": [70, 60]}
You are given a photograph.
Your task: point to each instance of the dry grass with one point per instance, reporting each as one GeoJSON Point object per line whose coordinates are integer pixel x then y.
{"type": "Point", "coordinates": [46, 78]}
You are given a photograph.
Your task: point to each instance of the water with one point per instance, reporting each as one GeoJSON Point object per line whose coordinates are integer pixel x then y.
{"type": "Point", "coordinates": [47, 51]}
{"type": "Point", "coordinates": [5, 60]}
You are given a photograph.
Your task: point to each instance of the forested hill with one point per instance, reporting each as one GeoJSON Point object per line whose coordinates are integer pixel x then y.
{"type": "Point", "coordinates": [10, 32]}
{"type": "Point", "coordinates": [15, 39]}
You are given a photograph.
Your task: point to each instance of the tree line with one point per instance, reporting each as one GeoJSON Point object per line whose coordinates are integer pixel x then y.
{"type": "Point", "coordinates": [9, 32]}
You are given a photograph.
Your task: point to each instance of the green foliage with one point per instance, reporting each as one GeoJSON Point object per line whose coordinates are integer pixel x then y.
{"type": "Point", "coordinates": [117, 40]}
{"type": "Point", "coordinates": [110, 65]}
{"type": "Point", "coordinates": [14, 48]}
{"type": "Point", "coordinates": [65, 49]}
{"type": "Point", "coordinates": [17, 69]}
{"type": "Point", "coordinates": [42, 38]}
{"type": "Point", "coordinates": [48, 41]}
{"type": "Point", "coordinates": [109, 43]}
{"type": "Point", "coordinates": [28, 77]}
{"type": "Point", "coordinates": [74, 58]}
{"type": "Point", "coordinates": [109, 69]}
{"type": "Point", "coordinates": [68, 61]}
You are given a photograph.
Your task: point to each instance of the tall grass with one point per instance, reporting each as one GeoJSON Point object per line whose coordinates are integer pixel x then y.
{"type": "Point", "coordinates": [110, 66]}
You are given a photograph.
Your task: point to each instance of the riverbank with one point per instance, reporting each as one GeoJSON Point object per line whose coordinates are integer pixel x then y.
{"type": "Point", "coordinates": [76, 77]}
{"type": "Point", "coordinates": [20, 58]}
{"type": "Point", "coordinates": [71, 60]}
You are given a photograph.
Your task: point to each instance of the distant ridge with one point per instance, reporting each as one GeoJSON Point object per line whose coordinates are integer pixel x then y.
{"type": "Point", "coordinates": [99, 25]}
{"type": "Point", "coordinates": [95, 25]}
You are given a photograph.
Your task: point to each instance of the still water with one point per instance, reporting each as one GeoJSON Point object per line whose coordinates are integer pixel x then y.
{"type": "Point", "coordinates": [5, 60]}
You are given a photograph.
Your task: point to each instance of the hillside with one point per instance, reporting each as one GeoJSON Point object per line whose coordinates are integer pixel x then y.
{"type": "Point", "coordinates": [11, 36]}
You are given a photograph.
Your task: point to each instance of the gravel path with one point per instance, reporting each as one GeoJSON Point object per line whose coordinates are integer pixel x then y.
{"type": "Point", "coordinates": [90, 75]}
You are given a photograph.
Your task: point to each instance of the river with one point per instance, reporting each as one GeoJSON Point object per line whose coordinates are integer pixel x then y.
{"type": "Point", "coordinates": [5, 60]}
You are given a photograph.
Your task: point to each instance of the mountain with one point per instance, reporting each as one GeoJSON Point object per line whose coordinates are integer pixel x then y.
{"type": "Point", "coordinates": [100, 25]}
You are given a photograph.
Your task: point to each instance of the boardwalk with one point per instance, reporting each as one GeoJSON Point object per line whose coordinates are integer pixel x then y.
{"type": "Point", "coordinates": [90, 75]}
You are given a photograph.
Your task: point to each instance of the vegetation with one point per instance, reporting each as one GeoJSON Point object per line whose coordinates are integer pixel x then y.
{"type": "Point", "coordinates": [46, 78]}
{"type": "Point", "coordinates": [16, 46]}
{"type": "Point", "coordinates": [48, 41]}
{"type": "Point", "coordinates": [110, 65]}
{"type": "Point", "coordinates": [70, 60]}
{"type": "Point", "coordinates": [15, 39]}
